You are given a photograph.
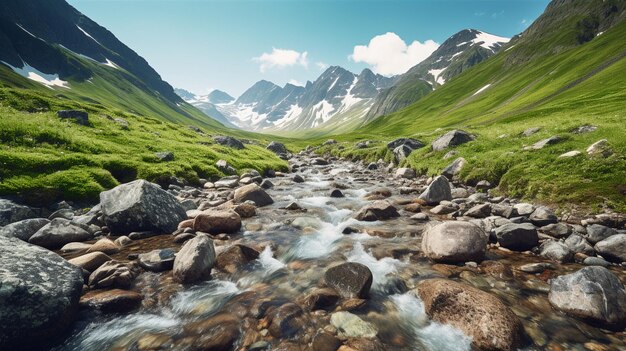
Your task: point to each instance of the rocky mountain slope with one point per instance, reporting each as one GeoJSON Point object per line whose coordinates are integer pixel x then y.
{"type": "Point", "coordinates": [458, 53]}
{"type": "Point", "coordinates": [49, 46]}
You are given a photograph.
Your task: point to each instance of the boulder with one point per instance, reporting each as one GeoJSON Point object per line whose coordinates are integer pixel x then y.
{"type": "Point", "coordinates": [59, 232]}
{"type": "Point", "coordinates": [81, 117]}
{"type": "Point", "coordinates": [112, 301]}
{"type": "Point", "coordinates": [600, 148]}
{"type": "Point", "coordinates": [556, 251]}
{"type": "Point", "coordinates": [217, 333]}
{"type": "Point", "coordinates": [91, 261]}
{"type": "Point", "coordinates": [409, 142]}
{"type": "Point", "coordinates": [267, 184]}
{"type": "Point", "coordinates": [165, 156]}
{"type": "Point", "coordinates": [244, 210]}
{"type": "Point", "coordinates": [407, 173]}
{"type": "Point", "coordinates": [479, 211]}
{"type": "Point", "coordinates": [23, 229]}
{"type": "Point", "coordinates": [569, 154]}
{"type": "Point", "coordinates": [227, 182]}
{"type": "Point", "coordinates": [402, 152]}
{"type": "Point", "coordinates": [450, 139]}
{"type": "Point", "coordinates": [104, 245]}
{"type": "Point", "coordinates": [530, 131]}
{"type": "Point", "coordinates": [140, 206]}
{"type": "Point", "coordinates": [454, 168]}
{"type": "Point", "coordinates": [613, 248]}
{"type": "Point", "coordinates": [277, 148]}
{"type": "Point", "coordinates": [286, 321]}
{"type": "Point", "coordinates": [113, 274]}
{"type": "Point", "coordinates": [38, 296]}
{"type": "Point", "coordinates": [194, 260]}
{"type": "Point", "coordinates": [319, 299]}
{"type": "Point", "coordinates": [479, 315]}
{"type": "Point", "coordinates": [298, 179]}
{"type": "Point", "coordinates": [454, 242]}
{"type": "Point", "coordinates": [336, 193]}
{"type": "Point", "coordinates": [593, 294]}
{"type": "Point", "coordinates": [11, 212]}
{"type": "Point", "coordinates": [543, 216]}
{"type": "Point", "coordinates": [598, 232]}
{"type": "Point", "coordinates": [229, 141]}
{"type": "Point", "coordinates": [351, 326]}
{"type": "Point", "coordinates": [253, 192]}
{"type": "Point", "coordinates": [578, 244]}
{"type": "Point", "coordinates": [517, 237]}
{"type": "Point", "coordinates": [235, 257]}
{"type": "Point", "coordinates": [217, 222]}
{"type": "Point", "coordinates": [377, 211]}
{"type": "Point", "coordinates": [158, 260]}
{"type": "Point", "coordinates": [549, 141]}
{"type": "Point", "coordinates": [437, 191]}
{"type": "Point", "coordinates": [224, 167]}
{"type": "Point", "coordinates": [556, 230]}
{"type": "Point", "coordinates": [350, 279]}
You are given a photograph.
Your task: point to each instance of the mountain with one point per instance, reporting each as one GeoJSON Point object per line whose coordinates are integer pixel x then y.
{"type": "Point", "coordinates": [49, 46]}
{"type": "Point", "coordinates": [206, 104]}
{"type": "Point", "coordinates": [337, 95]}
{"type": "Point", "coordinates": [458, 53]}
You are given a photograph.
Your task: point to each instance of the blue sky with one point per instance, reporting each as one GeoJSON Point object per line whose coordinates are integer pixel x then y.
{"type": "Point", "coordinates": [202, 45]}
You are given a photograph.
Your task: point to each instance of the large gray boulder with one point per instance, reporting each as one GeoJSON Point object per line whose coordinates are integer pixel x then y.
{"type": "Point", "coordinates": [253, 192]}
{"type": "Point", "coordinates": [556, 251]}
{"type": "Point", "coordinates": [229, 142]}
{"type": "Point", "coordinates": [451, 138]}
{"type": "Point", "coordinates": [59, 232]}
{"type": "Point", "coordinates": [81, 117]}
{"type": "Point", "coordinates": [543, 216]}
{"type": "Point", "coordinates": [437, 191]}
{"type": "Point", "coordinates": [593, 294]}
{"type": "Point", "coordinates": [455, 241]}
{"type": "Point", "coordinates": [454, 168]}
{"type": "Point", "coordinates": [613, 248]}
{"type": "Point", "coordinates": [141, 206]}
{"type": "Point", "coordinates": [409, 142]}
{"type": "Point", "coordinates": [39, 293]}
{"type": "Point", "coordinates": [517, 237]}
{"type": "Point", "coordinates": [24, 229]}
{"type": "Point", "coordinates": [11, 212]}
{"type": "Point", "coordinates": [578, 244]}
{"type": "Point", "coordinates": [194, 260]}
{"type": "Point", "coordinates": [377, 211]}
{"type": "Point", "coordinates": [277, 148]}
{"type": "Point", "coordinates": [598, 232]}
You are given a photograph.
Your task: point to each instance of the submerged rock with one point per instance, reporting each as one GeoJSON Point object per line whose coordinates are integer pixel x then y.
{"type": "Point", "coordinates": [351, 326]}
{"type": "Point", "coordinates": [350, 279]}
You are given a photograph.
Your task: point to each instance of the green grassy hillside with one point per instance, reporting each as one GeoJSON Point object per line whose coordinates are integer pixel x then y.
{"type": "Point", "coordinates": [546, 79]}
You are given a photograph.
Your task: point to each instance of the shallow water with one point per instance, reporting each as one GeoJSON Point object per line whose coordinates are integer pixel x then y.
{"type": "Point", "coordinates": [299, 246]}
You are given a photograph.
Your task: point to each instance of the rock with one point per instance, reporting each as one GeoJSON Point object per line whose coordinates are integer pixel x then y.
{"type": "Point", "coordinates": [350, 279]}
{"type": "Point", "coordinates": [157, 260]}
{"type": "Point", "coordinates": [59, 232]}
{"type": "Point", "coordinates": [402, 152]}
{"type": "Point", "coordinates": [244, 210]}
{"type": "Point", "coordinates": [217, 222]}
{"type": "Point", "coordinates": [319, 299]}
{"type": "Point", "coordinates": [407, 173]}
{"type": "Point", "coordinates": [409, 142]}
{"type": "Point", "coordinates": [483, 185]}
{"type": "Point", "coordinates": [531, 131]}
{"type": "Point", "coordinates": [113, 274]}
{"type": "Point", "coordinates": [227, 182]}
{"type": "Point", "coordinates": [600, 148]}
{"type": "Point", "coordinates": [377, 211]}
{"type": "Point", "coordinates": [122, 241]}
{"type": "Point", "coordinates": [556, 251]}
{"type": "Point", "coordinates": [372, 166]}
{"type": "Point", "coordinates": [253, 192]}
{"type": "Point", "coordinates": [524, 209]}
{"type": "Point", "coordinates": [598, 232]}
{"type": "Point", "coordinates": [229, 141]}
{"type": "Point", "coordinates": [437, 191]}
{"type": "Point", "coordinates": [122, 123]}
{"type": "Point", "coordinates": [420, 217]}
{"type": "Point", "coordinates": [517, 237]}
{"type": "Point", "coordinates": [505, 211]}
{"type": "Point", "coordinates": [454, 168]}
{"type": "Point", "coordinates": [578, 244]}
{"type": "Point", "coordinates": [277, 148]}
{"type": "Point", "coordinates": [550, 141]}
{"type": "Point", "coordinates": [556, 230]}
{"type": "Point", "coordinates": [140, 206]}
{"type": "Point", "coordinates": [584, 129]}
{"type": "Point", "coordinates": [444, 208]}
{"type": "Point", "coordinates": [81, 117]}
{"type": "Point", "coordinates": [38, 296]}
{"type": "Point", "coordinates": [235, 257]}
{"type": "Point", "coordinates": [329, 142]}
{"type": "Point", "coordinates": [287, 320]}
{"type": "Point", "coordinates": [224, 167]}
{"type": "Point", "coordinates": [319, 161]}
{"type": "Point", "coordinates": [450, 139]}
{"type": "Point", "coordinates": [298, 179]}
{"type": "Point", "coordinates": [75, 248]}
{"type": "Point", "coordinates": [112, 301]}
{"type": "Point", "coordinates": [194, 260]}
{"type": "Point", "coordinates": [62, 213]}
{"type": "Point", "coordinates": [351, 326]}
{"type": "Point", "coordinates": [104, 245]}
{"type": "Point", "coordinates": [479, 211]}
{"type": "Point", "coordinates": [613, 248]}
{"type": "Point", "coordinates": [23, 229]}
{"type": "Point", "coordinates": [593, 294]}
{"type": "Point", "coordinates": [323, 341]}
{"type": "Point", "coordinates": [479, 315]}
{"type": "Point", "coordinates": [266, 184]}
{"type": "Point", "coordinates": [336, 193]}
{"type": "Point", "coordinates": [91, 261]}
{"type": "Point", "coordinates": [596, 261]}
{"type": "Point", "coordinates": [11, 212]}
{"type": "Point", "coordinates": [570, 154]}
{"type": "Point", "coordinates": [534, 268]}
{"type": "Point", "coordinates": [543, 216]}
{"type": "Point", "coordinates": [141, 235]}
{"type": "Point", "coordinates": [455, 241]}
{"type": "Point", "coordinates": [218, 333]}
{"type": "Point", "coordinates": [165, 156]}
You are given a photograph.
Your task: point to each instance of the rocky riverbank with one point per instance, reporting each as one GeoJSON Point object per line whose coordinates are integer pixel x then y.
{"type": "Point", "coordinates": [332, 256]}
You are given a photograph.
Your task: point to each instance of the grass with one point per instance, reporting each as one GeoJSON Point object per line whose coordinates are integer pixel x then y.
{"type": "Point", "coordinates": [44, 159]}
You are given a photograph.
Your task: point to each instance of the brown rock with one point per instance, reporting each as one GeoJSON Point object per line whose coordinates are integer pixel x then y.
{"type": "Point", "coordinates": [235, 257]}
{"type": "Point", "coordinates": [112, 301]}
{"type": "Point", "coordinates": [325, 342]}
{"type": "Point", "coordinates": [350, 279]}
{"type": "Point", "coordinates": [218, 333]}
{"type": "Point", "coordinates": [286, 321]}
{"type": "Point", "coordinates": [90, 261]}
{"type": "Point", "coordinates": [253, 192]}
{"type": "Point", "coordinates": [480, 315]}
{"type": "Point", "coordinates": [216, 222]}
{"type": "Point", "coordinates": [113, 274]}
{"type": "Point", "coordinates": [320, 299]}
{"type": "Point", "coordinates": [245, 210]}
{"type": "Point", "coordinates": [104, 245]}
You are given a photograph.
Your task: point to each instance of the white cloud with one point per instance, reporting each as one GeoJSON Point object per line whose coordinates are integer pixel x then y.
{"type": "Point", "coordinates": [295, 82]}
{"type": "Point", "coordinates": [389, 55]}
{"type": "Point", "coordinates": [322, 65]}
{"type": "Point", "coordinates": [281, 58]}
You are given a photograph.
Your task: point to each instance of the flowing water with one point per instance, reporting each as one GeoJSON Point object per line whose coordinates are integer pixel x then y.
{"type": "Point", "coordinates": [297, 247]}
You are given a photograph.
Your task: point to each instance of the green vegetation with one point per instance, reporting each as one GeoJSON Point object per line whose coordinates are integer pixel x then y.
{"type": "Point", "coordinates": [44, 158]}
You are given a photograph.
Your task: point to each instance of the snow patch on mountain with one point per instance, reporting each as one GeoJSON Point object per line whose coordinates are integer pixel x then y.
{"type": "Point", "coordinates": [436, 73]}
{"type": "Point", "coordinates": [88, 35]}
{"type": "Point", "coordinates": [482, 89]}
{"type": "Point", "coordinates": [25, 30]}
{"type": "Point", "coordinates": [490, 41]}
{"type": "Point", "coordinates": [49, 80]}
